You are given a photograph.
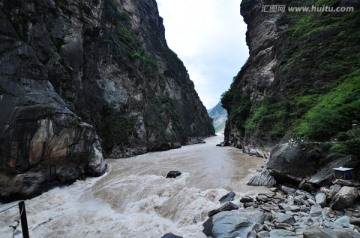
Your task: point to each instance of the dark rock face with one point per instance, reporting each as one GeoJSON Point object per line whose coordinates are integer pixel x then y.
{"type": "Point", "coordinates": [285, 90]}
{"type": "Point", "coordinates": [79, 78]}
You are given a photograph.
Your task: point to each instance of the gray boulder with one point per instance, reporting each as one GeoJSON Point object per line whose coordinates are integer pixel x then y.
{"type": "Point", "coordinates": [171, 235]}
{"type": "Point", "coordinates": [345, 198]}
{"type": "Point", "coordinates": [231, 224]}
{"type": "Point", "coordinates": [280, 233]}
{"type": "Point", "coordinates": [291, 163]}
{"type": "Point", "coordinates": [229, 206]}
{"type": "Point", "coordinates": [315, 232]}
{"type": "Point", "coordinates": [326, 173]}
{"type": "Point", "coordinates": [320, 199]}
{"type": "Point", "coordinates": [284, 218]}
{"type": "Point", "coordinates": [262, 179]}
{"type": "Point", "coordinates": [228, 197]}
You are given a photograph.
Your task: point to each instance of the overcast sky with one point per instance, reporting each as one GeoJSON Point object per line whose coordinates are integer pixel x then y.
{"type": "Point", "coordinates": [209, 37]}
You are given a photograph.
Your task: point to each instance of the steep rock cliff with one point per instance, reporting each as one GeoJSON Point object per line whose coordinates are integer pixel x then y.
{"type": "Point", "coordinates": [301, 79]}
{"type": "Point", "coordinates": [79, 78]}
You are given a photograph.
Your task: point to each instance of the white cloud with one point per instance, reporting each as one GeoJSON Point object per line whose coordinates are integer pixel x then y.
{"type": "Point", "coordinates": [209, 37]}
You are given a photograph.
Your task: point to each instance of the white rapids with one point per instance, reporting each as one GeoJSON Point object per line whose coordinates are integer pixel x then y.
{"type": "Point", "coordinates": [134, 199]}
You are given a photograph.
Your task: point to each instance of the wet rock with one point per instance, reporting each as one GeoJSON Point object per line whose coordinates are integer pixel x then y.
{"type": "Point", "coordinates": [233, 223]}
{"type": "Point", "coordinates": [229, 206]}
{"type": "Point", "coordinates": [246, 199]}
{"type": "Point", "coordinates": [263, 234]}
{"type": "Point", "coordinates": [277, 233]}
{"type": "Point", "coordinates": [287, 190]}
{"type": "Point", "coordinates": [315, 232]}
{"type": "Point", "coordinates": [315, 210]}
{"type": "Point", "coordinates": [284, 218]}
{"type": "Point", "coordinates": [171, 235]}
{"type": "Point", "coordinates": [320, 199]}
{"type": "Point", "coordinates": [355, 221]}
{"type": "Point", "coordinates": [262, 198]}
{"type": "Point", "coordinates": [345, 198]}
{"type": "Point", "coordinates": [341, 222]}
{"type": "Point", "coordinates": [333, 191]}
{"type": "Point", "coordinates": [228, 197]}
{"type": "Point", "coordinates": [263, 179]}
{"type": "Point", "coordinates": [173, 174]}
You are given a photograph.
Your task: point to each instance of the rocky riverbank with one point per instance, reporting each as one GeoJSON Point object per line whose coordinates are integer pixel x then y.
{"type": "Point", "coordinates": [288, 212]}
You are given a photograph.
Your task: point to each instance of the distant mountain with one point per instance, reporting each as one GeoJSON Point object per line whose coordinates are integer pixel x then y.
{"type": "Point", "coordinates": [219, 116]}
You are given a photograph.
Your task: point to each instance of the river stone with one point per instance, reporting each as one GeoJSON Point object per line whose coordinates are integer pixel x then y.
{"type": "Point", "coordinates": [320, 199]}
{"type": "Point", "coordinates": [333, 191]}
{"type": "Point", "coordinates": [345, 198]}
{"type": "Point", "coordinates": [173, 174]}
{"type": "Point", "coordinates": [229, 206]}
{"type": "Point", "coordinates": [228, 197]}
{"type": "Point", "coordinates": [342, 222]}
{"type": "Point", "coordinates": [262, 179]}
{"type": "Point", "coordinates": [315, 210]}
{"type": "Point", "coordinates": [246, 199]}
{"type": "Point", "coordinates": [287, 189]}
{"type": "Point", "coordinates": [315, 232]}
{"type": "Point", "coordinates": [284, 218]}
{"type": "Point", "coordinates": [171, 235]}
{"type": "Point", "coordinates": [280, 233]}
{"type": "Point", "coordinates": [239, 223]}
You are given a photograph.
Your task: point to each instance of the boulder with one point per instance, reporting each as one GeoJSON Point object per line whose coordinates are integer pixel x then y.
{"type": "Point", "coordinates": [284, 218]}
{"type": "Point", "coordinates": [291, 163]}
{"type": "Point", "coordinates": [345, 198]}
{"type": "Point", "coordinates": [173, 174]}
{"type": "Point", "coordinates": [280, 233]}
{"type": "Point", "coordinates": [326, 173]}
{"type": "Point", "coordinates": [320, 199]}
{"type": "Point", "coordinates": [233, 224]}
{"type": "Point", "coordinates": [262, 179]}
{"type": "Point", "coordinates": [287, 190]}
{"type": "Point", "coordinates": [315, 210]}
{"type": "Point", "coordinates": [333, 191]}
{"type": "Point", "coordinates": [228, 197]}
{"type": "Point", "coordinates": [229, 206]}
{"type": "Point", "coordinates": [171, 235]}
{"type": "Point", "coordinates": [246, 199]}
{"type": "Point", "coordinates": [315, 232]}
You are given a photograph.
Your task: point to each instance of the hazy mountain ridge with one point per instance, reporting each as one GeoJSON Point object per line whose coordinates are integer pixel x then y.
{"type": "Point", "coordinates": [219, 116]}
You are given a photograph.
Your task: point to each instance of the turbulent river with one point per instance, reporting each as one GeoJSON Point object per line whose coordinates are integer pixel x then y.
{"type": "Point", "coordinates": [134, 199]}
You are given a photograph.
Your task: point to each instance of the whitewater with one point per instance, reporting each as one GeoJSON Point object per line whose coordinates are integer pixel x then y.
{"type": "Point", "coordinates": [135, 199]}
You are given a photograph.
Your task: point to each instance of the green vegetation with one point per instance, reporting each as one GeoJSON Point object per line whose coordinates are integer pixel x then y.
{"type": "Point", "coordinates": [128, 49]}
{"type": "Point", "coordinates": [318, 71]}
{"type": "Point", "coordinates": [117, 125]}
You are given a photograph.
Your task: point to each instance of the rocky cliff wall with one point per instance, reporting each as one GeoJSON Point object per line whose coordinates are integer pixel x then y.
{"type": "Point", "coordinates": [301, 79]}
{"type": "Point", "coordinates": [82, 78]}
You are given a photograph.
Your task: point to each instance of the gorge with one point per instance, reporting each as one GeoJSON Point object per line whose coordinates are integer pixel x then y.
{"type": "Point", "coordinates": [81, 81]}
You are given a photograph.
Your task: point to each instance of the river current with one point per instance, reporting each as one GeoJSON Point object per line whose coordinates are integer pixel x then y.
{"type": "Point", "coordinates": [134, 199]}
